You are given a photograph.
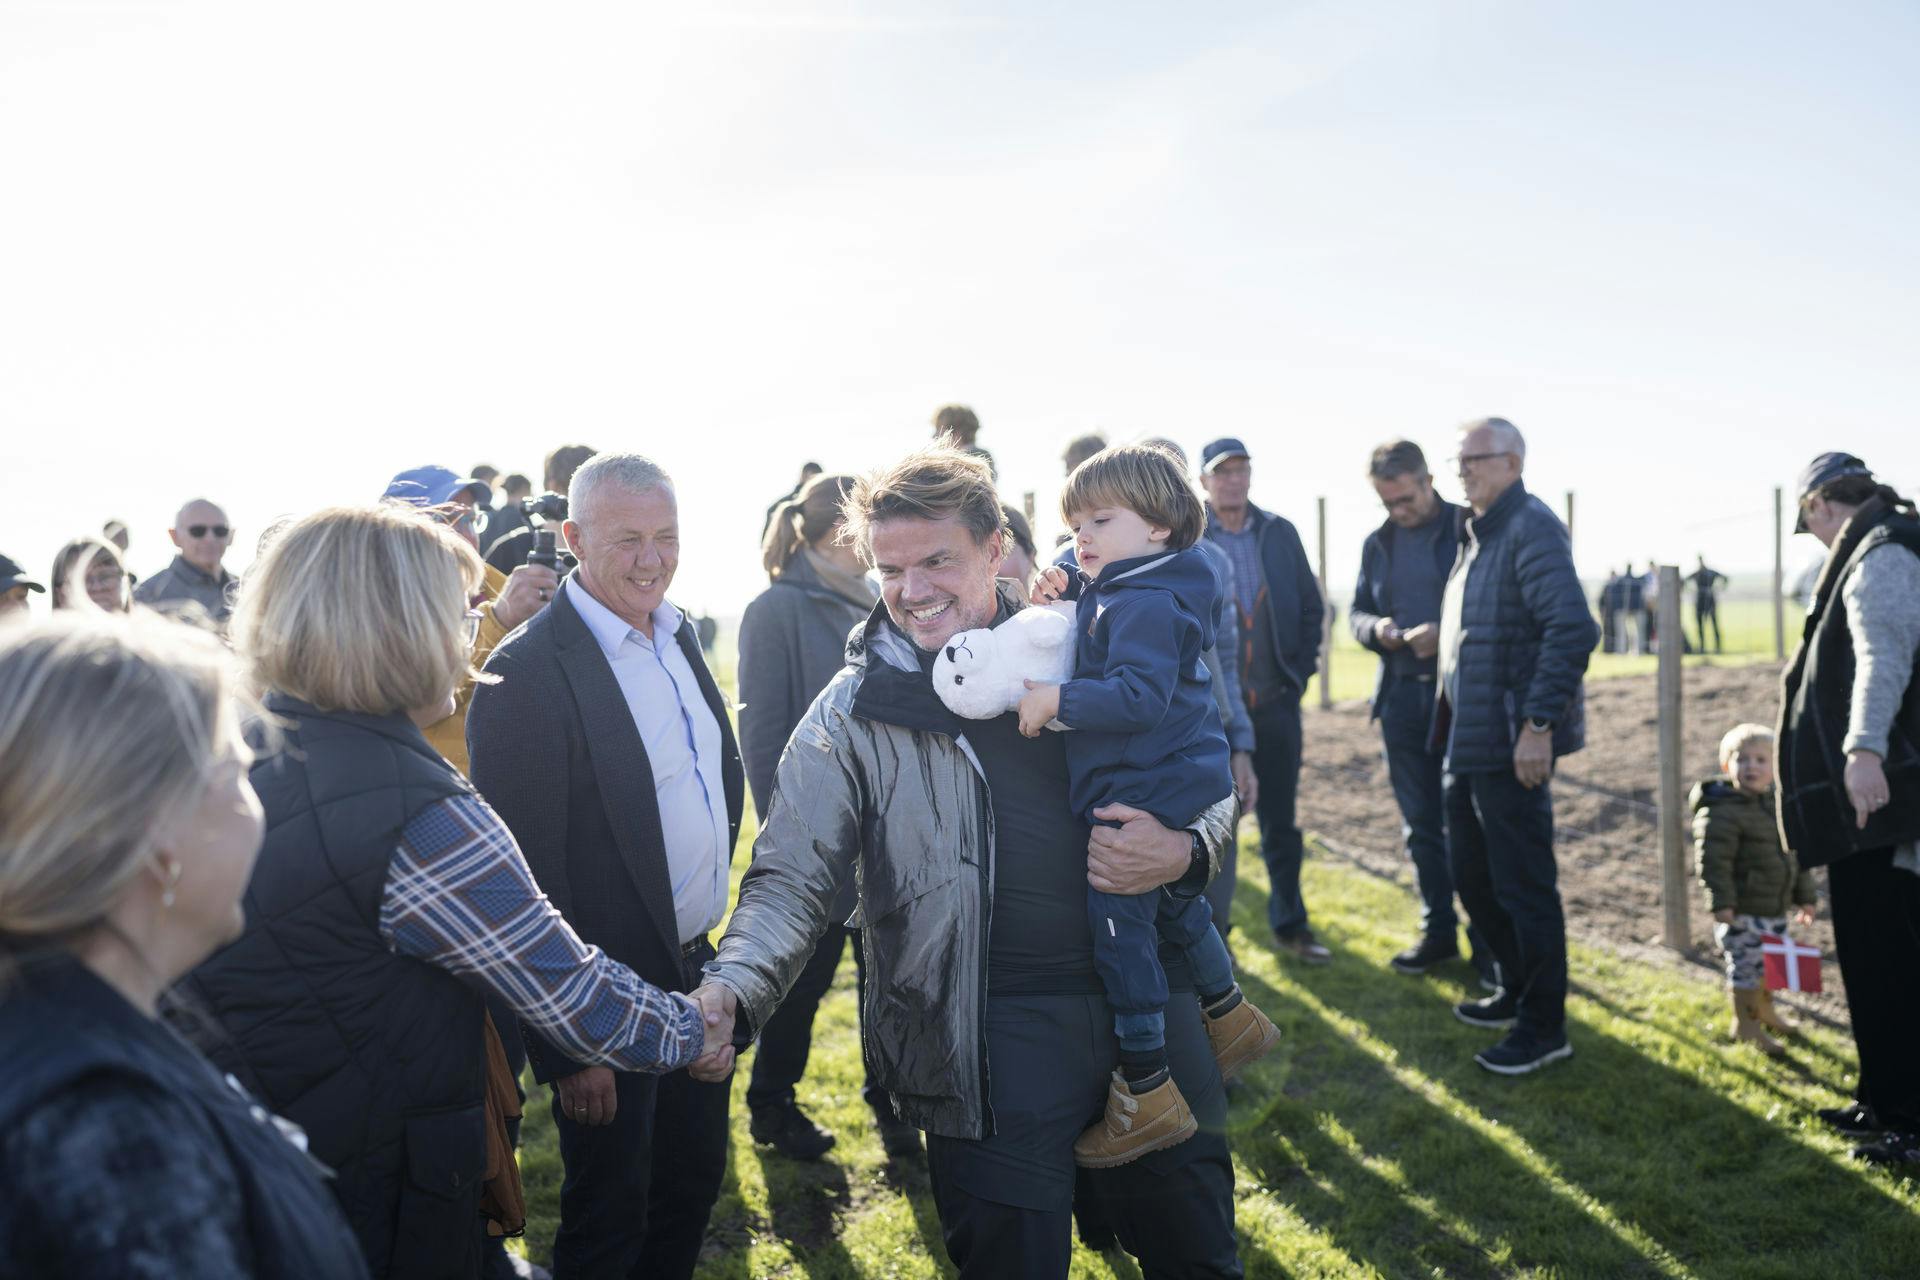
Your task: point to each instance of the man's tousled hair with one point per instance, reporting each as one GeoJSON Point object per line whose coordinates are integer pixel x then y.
{"type": "Point", "coordinates": [939, 483]}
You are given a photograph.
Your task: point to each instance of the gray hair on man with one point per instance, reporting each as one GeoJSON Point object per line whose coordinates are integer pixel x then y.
{"type": "Point", "coordinates": [1397, 458]}
{"type": "Point", "coordinates": [631, 472]}
{"type": "Point", "coordinates": [1503, 436]}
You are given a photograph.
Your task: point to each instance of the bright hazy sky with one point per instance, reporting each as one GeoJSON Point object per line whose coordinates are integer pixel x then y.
{"type": "Point", "coordinates": [275, 253]}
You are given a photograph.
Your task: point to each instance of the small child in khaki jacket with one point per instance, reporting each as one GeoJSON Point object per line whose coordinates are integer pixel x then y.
{"type": "Point", "coordinates": [1751, 880]}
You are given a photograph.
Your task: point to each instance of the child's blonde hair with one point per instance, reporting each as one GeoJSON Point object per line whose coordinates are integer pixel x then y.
{"type": "Point", "coordinates": [1739, 736]}
{"type": "Point", "coordinates": [1146, 480]}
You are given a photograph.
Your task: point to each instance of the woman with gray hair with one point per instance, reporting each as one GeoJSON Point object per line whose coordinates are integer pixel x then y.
{"type": "Point", "coordinates": [128, 828]}
{"type": "Point", "coordinates": [388, 897]}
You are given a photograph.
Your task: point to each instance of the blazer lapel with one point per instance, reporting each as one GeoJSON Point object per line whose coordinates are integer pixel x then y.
{"type": "Point", "coordinates": [620, 766]}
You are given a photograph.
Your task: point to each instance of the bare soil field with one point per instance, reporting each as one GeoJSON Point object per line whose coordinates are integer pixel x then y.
{"type": "Point", "coordinates": [1605, 815]}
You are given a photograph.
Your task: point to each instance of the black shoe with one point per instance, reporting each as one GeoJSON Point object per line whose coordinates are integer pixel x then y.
{"type": "Point", "coordinates": [1423, 955]}
{"type": "Point", "coordinates": [786, 1128]}
{"type": "Point", "coordinates": [1497, 1011]}
{"type": "Point", "coordinates": [1855, 1120]}
{"type": "Point", "coordinates": [1895, 1150]}
{"type": "Point", "coordinates": [1521, 1053]}
{"type": "Point", "coordinates": [898, 1139]}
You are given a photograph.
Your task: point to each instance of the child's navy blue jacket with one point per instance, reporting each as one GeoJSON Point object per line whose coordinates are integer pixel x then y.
{"type": "Point", "coordinates": [1146, 731]}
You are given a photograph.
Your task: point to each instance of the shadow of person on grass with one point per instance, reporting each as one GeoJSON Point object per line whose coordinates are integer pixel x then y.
{"type": "Point", "coordinates": [1702, 1177]}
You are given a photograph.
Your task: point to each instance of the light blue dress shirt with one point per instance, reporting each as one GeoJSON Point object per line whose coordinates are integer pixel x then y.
{"type": "Point", "coordinates": [683, 744]}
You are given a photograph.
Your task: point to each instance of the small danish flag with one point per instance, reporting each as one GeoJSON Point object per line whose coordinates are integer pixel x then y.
{"type": "Point", "coordinates": [1789, 965]}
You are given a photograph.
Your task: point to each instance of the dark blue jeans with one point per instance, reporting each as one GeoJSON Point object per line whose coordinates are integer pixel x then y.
{"type": "Point", "coordinates": [1276, 763]}
{"type": "Point", "coordinates": [1500, 842]}
{"type": "Point", "coordinates": [1406, 713]}
{"type": "Point", "coordinates": [1127, 929]}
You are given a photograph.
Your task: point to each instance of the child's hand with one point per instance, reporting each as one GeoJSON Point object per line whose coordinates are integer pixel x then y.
{"type": "Point", "coordinates": [1724, 915]}
{"type": "Point", "coordinates": [1803, 916]}
{"type": "Point", "coordinates": [1040, 704]}
{"type": "Point", "coordinates": [1048, 586]}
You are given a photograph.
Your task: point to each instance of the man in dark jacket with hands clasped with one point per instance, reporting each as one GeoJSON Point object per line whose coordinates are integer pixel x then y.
{"type": "Point", "coordinates": [1514, 638]}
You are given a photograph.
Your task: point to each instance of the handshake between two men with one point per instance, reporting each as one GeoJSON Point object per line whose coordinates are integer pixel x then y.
{"type": "Point", "coordinates": [589, 1094]}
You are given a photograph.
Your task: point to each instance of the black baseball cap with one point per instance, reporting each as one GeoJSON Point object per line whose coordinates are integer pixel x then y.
{"type": "Point", "coordinates": [1215, 452]}
{"type": "Point", "coordinates": [1823, 471]}
{"type": "Point", "coordinates": [12, 575]}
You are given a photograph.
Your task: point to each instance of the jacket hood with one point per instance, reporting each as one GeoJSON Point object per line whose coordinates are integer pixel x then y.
{"type": "Point", "coordinates": [1183, 574]}
{"type": "Point", "coordinates": [1717, 790]}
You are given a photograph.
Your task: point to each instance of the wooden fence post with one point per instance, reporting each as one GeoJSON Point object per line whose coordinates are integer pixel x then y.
{"type": "Point", "coordinates": [1026, 501]}
{"type": "Point", "coordinates": [1326, 619]}
{"type": "Point", "coordinates": [1569, 517]}
{"type": "Point", "coordinates": [1779, 576]}
{"type": "Point", "coordinates": [1675, 883]}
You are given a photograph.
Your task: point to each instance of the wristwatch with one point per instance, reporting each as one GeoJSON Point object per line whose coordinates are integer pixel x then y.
{"type": "Point", "coordinates": [1538, 725]}
{"type": "Point", "coordinates": [1193, 882]}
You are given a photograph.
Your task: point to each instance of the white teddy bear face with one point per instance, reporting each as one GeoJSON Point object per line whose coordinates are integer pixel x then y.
{"type": "Point", "coordinates": [969, 656]}
{"type": "Point", "coordinates": [982, 674]}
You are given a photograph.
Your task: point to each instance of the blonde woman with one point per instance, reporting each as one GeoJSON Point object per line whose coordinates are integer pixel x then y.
{"type": "Point", "coordinates": [127, 831]}
{"type": "Point", "coordinates": [90, 569]}
{"type": "Point", "coordinates": [388, 896]}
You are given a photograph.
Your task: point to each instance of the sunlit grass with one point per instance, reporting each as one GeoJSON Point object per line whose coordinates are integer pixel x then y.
{"type": "Point", "coordinates": [1369, 1144]}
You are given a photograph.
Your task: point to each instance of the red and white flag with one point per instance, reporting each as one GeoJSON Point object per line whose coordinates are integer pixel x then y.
{"type": "Point", "coordinates": [1790, 965]}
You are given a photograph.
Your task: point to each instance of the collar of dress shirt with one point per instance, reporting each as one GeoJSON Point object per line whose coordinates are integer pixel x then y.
{"type": "Point", "coordinates": [609, 629]}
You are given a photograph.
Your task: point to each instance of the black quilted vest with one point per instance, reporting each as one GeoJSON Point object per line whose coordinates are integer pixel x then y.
{"type": "Point", "coordinates": [1817, 821]}
{"type": "Point", "coordinates": [377, 1056]}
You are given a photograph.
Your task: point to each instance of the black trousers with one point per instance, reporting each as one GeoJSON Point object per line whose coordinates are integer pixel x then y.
{"type": "Point", "coordinates": [1876, 930]}
{"type": "Point", "coordinates": [1276, 763]}
{"type": "Point", "coordinates": [787, 1040]}
{"type": "Point", "coordinates": [637, 1192]}
{"type": "Point", "coordinates": [1500, 846]}
{"type": "Point", "coordinates": [1005, 1203]}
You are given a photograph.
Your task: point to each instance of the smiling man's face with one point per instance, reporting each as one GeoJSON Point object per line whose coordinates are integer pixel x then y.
{"type": "Point", "coordinates": [935, 577]}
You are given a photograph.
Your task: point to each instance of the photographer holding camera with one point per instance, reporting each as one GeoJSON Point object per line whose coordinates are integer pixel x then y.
{"type": "Point", "coordinates": [506, 600]}
{"type": "Point", "coordinates": [513, 549]}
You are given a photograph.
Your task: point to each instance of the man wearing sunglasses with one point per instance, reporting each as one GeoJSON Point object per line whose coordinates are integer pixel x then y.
{"type": "Point", "coordinates": [195, 586]}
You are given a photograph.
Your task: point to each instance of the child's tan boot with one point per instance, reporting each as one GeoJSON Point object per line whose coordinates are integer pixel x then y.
{"type": "Point", "coordinates": [1239, 1035]}
{"type": "Point", "coordinates": [1746, 1024]}
{"type": "Point", "coordinates": [1770, 1016]}
{"type": "Point", "coordinates": [1135, 1124]}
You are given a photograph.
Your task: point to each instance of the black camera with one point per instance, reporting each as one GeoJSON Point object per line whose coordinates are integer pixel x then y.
{"type": "Point", "coordinates": [548, 506]}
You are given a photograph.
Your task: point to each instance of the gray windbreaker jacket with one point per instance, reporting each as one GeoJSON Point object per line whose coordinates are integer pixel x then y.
{"type": "Point", "coordinates": [872, 785]}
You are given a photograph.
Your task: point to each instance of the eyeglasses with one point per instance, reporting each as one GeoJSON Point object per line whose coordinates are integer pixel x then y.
{"type": "Point", "coordinates": [202, 530]}
{"type": "Point", "coordinates": [470, 626]}
{"type": "Point", "coordinates": [1462, 461]}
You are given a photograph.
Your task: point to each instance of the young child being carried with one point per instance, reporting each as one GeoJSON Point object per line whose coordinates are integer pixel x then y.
{"type": "Point", "coordinates": [1750, 879]}
{"type": "Point", "coordinates": [1146, 734]}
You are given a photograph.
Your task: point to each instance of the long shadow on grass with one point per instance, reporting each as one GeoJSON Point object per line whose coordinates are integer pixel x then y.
{"type": "Point", "coordinates": [1700, 1175]}
{"type": "Point", "coordinates": [1473, 1184]}
{"type": "Point", "coordinates": [805, 1201]}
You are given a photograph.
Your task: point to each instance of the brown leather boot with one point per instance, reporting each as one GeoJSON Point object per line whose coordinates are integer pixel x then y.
{"type": "Point", "coordinates": [1135, 1124]}
{"type": "Point", "coordinates": [1746, 1024]}
{"type": "Point", "coordinates": [1770, 1016]}
{"type": "Point", "coordinates": [1239, 1036]}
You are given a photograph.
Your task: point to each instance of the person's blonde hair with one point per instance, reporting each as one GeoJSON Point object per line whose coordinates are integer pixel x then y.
{"type": "Point", "coordinates": [360, 609]}
{"type": "Point", "coordinates": [803, 521]}
{"type": "Point", "coordinates": [1145, 479]}
{"type": "Point", "coordinates": [110, 729]}
{"type": "Point", "coordinates": [1739, 736]}
{"type": "Point", "coordinates": [939, 483]}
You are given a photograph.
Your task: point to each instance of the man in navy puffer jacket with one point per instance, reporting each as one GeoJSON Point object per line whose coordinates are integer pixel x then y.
{"type": "Point", "coordinates": [1514, 638]}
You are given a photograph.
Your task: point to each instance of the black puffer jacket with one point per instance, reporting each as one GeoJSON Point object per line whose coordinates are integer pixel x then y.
{"type": "Point", "coordinates": [1514, 636]}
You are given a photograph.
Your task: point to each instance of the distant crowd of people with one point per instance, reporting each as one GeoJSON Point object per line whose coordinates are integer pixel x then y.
{"type": "Point", "coordinates": [1629, 605]}
{"type": "Point", "coordinates": [296, 881]}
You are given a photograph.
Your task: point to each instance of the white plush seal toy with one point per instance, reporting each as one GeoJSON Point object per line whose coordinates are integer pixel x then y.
{"type": "Point", "coordinates": [982, 674]}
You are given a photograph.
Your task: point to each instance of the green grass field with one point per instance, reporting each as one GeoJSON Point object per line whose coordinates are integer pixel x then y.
{"type": "Point", "coordinates": [1747, 630]}
{"type": "Point", "coordinates": [1369, 1145]}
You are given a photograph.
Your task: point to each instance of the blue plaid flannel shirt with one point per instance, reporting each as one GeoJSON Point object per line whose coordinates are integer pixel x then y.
{"type": "Point", "coordinates": [460, 896]}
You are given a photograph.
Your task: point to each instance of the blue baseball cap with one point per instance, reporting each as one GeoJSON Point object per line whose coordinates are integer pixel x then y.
{"type": "Point", "coordinates": [1823, 471]}
{"type": "Point", "coordinates": [431, 486]}
{"type": "Point", "coordinates": [12, 575]}
{"type": "Point", "coordinates": [1215, 452]}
